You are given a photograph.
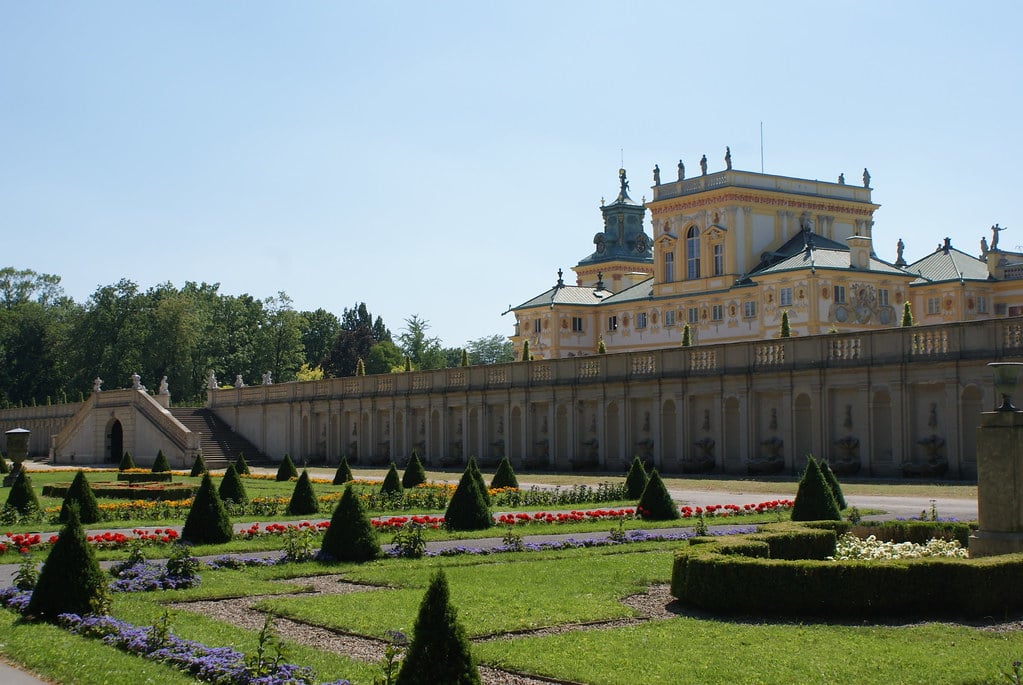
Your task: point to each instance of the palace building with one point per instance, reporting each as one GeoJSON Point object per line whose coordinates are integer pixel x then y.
{"type": "Point", "coordinates": [729, 252]}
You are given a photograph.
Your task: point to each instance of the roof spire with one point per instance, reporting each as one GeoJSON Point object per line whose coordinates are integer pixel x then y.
{"type": "Point", "coordinates": [623, 194]}
{"type": "Point", "coordinates": [561, 282]}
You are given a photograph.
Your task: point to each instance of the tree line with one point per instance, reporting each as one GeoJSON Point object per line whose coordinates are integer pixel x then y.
{"type": "Point", "coordinates": [52, 347]}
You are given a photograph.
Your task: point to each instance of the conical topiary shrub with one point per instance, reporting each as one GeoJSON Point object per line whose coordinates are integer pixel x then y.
{"type": "Point", "coordinates": [80, 496]}
{"type": "Point", "coordinates": [198, 466]}
{"type": "Point", "coordinates": [504, 477]}
{"type": "Point", "coordinates": [468, 508]}
{"type": "Point", "coordinates": [907, 314]}
{"type": "Point", "coordinates": [832, 481]}
{"type": "Point", "coordinates": [343, 474]}
{"type": "Point", "coordinates": [786, 330]}
{"type": "Point", "coordinates": [635, 481]}
{"type": "Point", "coordinates": [814, 499]}
{"type": "Point", "coordinates": [160, 464]}
{"type": "Point", "coordinates": [350, 536]}
{"type": "Point", "coordinates": [286, 471]}
{"type": "Point", "coordinates": [231, 487]}
{"type": "Point", "coordinates": [242, 466]}
{"type": "Point", "coordinates": [474, 468]}
{"type": "Point", "coordinates": [655, 504]}
{"type": "Point", "coordinates": [126, 462]}
{"type": "Point", "coordinates": [207, 522]}
{"type": "Point", "coordinates": [392, 482]}
{"type": "Point", "coordinates": [439, 651]}
{"type": "Point", "coordinates": [71, 581]}
{"type": "Point", "coordinates": [414, 474]}
{"type": "Point", "coordinates": [22, 497]}
{"type": "Point", "coordinates": [303, 499]}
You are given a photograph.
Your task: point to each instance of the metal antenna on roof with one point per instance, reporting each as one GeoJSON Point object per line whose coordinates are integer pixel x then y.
{"type": "Point", "coordinates": [761, 147]}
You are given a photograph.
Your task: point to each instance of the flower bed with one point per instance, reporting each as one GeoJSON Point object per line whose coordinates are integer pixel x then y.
{"type": "Point", "coordinates": [129, 490]}
{"type": "Point", "coordinates": [871, 549]}
{"type": "Point", "coordinates": [23, 543]}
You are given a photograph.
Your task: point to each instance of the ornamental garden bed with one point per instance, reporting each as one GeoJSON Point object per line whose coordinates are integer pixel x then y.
{"type": "Point", "coordinates": [788, 573]}
{"type": "Point", "coordinates": [131, 491]}
{"type": "Point", "coordinates": [145, 477]}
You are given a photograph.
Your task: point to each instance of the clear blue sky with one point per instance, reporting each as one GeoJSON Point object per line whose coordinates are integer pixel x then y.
{"type": "Point", "coordinates": [432, 158]}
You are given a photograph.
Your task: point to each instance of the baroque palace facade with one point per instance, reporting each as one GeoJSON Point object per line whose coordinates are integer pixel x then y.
{"type": "Point", "coordinates": [727, 253]}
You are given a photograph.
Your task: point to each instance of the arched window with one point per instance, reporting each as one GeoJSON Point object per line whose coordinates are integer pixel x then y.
{"type": "Point", "coordinates": [669, 267]}
{"type": "Point", "coordinates": [692, 253]}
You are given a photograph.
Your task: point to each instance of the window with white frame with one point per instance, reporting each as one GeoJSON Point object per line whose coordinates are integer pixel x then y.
{"type": "Point", "coordinates": [839, 294]}
{"type": "Point", "coordinates": [934, 305]}
{"type": "Point", "coordinates": [536, 325]}
{"type": "Point", "coordinates": [577, 324]}
{"type": "Point", "coordinates": [669, 317]}
{"type": "Point", "coordinates": [694, 315]}
{"type": "Point", "coordinates": [641, 320]}
{"type": "Point", "coordinates": [692, 253]}
{"type": "Point", "coordinates": [719, 259]}
{"type": "Point", "coordinates": [669, 267]}
{"type": "Point", "coordinates": [717, 312]}
{"type": "Point", "coordinates": [882, 297]}
{"type": "Point", "coordinates": [982, 304]}
{"type": "Point", "coordinates": [749, 309]}
{"type": "Point", "coordinates": [612, 323]}
{"type": "Point", "coordinates": [785, 297]}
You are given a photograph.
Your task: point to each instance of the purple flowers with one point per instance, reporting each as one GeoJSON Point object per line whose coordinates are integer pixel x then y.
{"type": "Point", "coordinates": [146, 576]}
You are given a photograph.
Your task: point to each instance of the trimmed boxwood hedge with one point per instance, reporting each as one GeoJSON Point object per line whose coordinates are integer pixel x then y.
{"type": "Point", "coordinates": [109, 490]}
{"type": "Point", "coordinates": [145, 476]}
{"type": "Point", "coordinates": [731, 575]}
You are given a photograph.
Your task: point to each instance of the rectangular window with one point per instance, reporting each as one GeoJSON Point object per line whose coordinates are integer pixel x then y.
{"type": "Point", "coordinates": [536, 326]}
{"type": "Point", "coordinates": [882, 297]}
{"type": "Point", "coordinates": [839, 294]}
{"type": "Point", "coordinates": [786, 297]}
{"type": "Point", "coordinates": [641, 320]}
{"type": "Point", "coordinates": [669, 317]}
{"type": "Point", "coordinates": [612, 323]}
{"type": "Point", "coordinates": [749, 309]}
{"type": "Point", "coordinates": [694, 315]}
{"type": "Point", "coordinates": [717, 312]}
{"type": "Point", "coordinates": [669, 267]}
{"type": "Point", "coordinates": [577, 324]}
{"type": "Point", "coordinates": [719, 259]}
{"type": "Point", "coordinates": [934, 305]}
{"type": "Point", "coordinates": [982, 304]}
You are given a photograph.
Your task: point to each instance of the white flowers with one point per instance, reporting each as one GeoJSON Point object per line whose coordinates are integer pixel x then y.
{"type": "Point", "coordinates": [851, 547]}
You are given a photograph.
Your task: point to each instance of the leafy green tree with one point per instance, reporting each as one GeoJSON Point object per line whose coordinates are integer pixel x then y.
{"type": "Point", "coordinates": [80, 495]}
{"type": "Point", "coordinates": [439, 651]}
{"type": "Point", "coordinates": [504, 477]}
{"type": "Point", "coordinates": [279, 339]}
{"type": "Point", "coordinates": [814, 499]}
{"type": "Point", "coordinates": [303, 499]}
{"type": "Point", "coordinates": [286, 471]}
{"type": "Point", "coordinates": [350, 536]}
{"type": "Point", "coordinates": [207, 522]}
{"type": "Point", "coordinates": [492, 349]}
{"type": "Point", "coordinates": [414, 474]}
{"type": "Point", "coordinates": [384, 357]}
{"type": "Point", "coordinates": [636, 479]}
{"type": "Point", "coordinates": [907, 315]}
{"type": "Point", "coordinates": [424, 351]}
{"type": "Point", "coordinates": [71, 581]}
{"type": "Point", "coordinates": [126, 462]}
{"type": "Point", "coordinates": [359, 332]}
{"type": "Point", "coordinates": [343, 474]}
{"type": "Point", "coordinates": [655, 504]}
{"type": "Point", "coordinates": [160, 465]}
{"type": "Point", "coordinates": [319, 331]}
{"type": "Point", "coordinates": [232, 489]}
{"type": "Point", "coordinates": [22, 497]}
{"type": "Point", "coordinates": [786, 331]}
{"type": "Point", "coordinates": [392, 482]}
{"type": "Point", "coordinates": [468, 508]}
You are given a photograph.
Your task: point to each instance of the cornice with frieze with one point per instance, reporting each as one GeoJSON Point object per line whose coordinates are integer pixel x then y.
{"type": "Point", "coordinates": [670, 207]}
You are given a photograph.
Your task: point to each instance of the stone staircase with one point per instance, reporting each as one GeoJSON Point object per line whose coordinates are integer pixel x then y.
{"type": "Point", "coordinates": [219, 443]}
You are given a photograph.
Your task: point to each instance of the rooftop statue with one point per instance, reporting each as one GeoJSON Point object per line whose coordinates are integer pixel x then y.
{"type": "Point", "coordinates": [728, 158]}
{"type": "Point", "coordinates": [703, 165]}
{"type": "Point", "coordinates": [681, 170]}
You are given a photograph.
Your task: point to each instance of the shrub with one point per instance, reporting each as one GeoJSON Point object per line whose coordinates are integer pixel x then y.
{"type": "Point", "coordinates": [126, 462]}
{"type": "Point", "coordinates": [350, 536]}
{"type": "Point", "coordinates": [907, 314]}
{"type": "Point", "coordinates": [786, 331]}
{"type": "Point", "coordinates": [22, 497]}
{"type": "Point", "coordinates": [814, 499]}
{"type": "Point", "coordinates": [474, 468]}
{"type": "Point", "coordinates": [655, 504]}
{"type": "Point", "coordinates": [601, 347]}
{"type": "Point", "coordinates": [504, 477]}
{"type": "Point", "coordinates": [343, 473]}
{"type": "Point", "coordinates": [80, 496]}
{"type": "Point", "coordinates": [231, 487]}
{"type": "Point", "coordinates": [687, 336]}
{"type": "Point", "coordinates": [71, 580]}
{"type": "Point", "coordinates": [635, 481]}
{"type": "Point", "coordinates": [242, 466]}
{"type": "Point", "coordinates": [207, 522]}
{"type": "Point", "coordinates": [392, 482]}
{"type": "Point", "coordinates": [303, 499]}
{"type": "Point", "coordinates": [4, 468]}
{"type": "Point", "coordinates": [836, 487]}
{"type": "Point", "coordinates": [439, 651]}
{"type": "Point", "coordinates": [160, 464]}
{"type": "Point", "coordinates": [286, 471]}
{"type": "Point", "coordinates": [468, 508]}
{"type": "Point", "coordinates": [414, 472]}
{"type": "Point", "coordinates": [525, 350]}
{"type": "Point", "coordinates": [198, 466]}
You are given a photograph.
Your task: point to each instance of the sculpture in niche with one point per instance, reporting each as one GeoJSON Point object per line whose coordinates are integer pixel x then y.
{"type": "Point", "coordinates": [353, 451]}
{"type": "Point", "coordinates": [543, 426]}
{"type": "Point", "coordinates": [355, 427]}
{"type": "Point", "coordinates": [645, 449]}
{"type": "Point", "coordinates": [500, 425]}
{"type": "Point", "coordinates": [422, 427]}
{"type": "Point", "coordinates": [932, 415]}
{"type": "Point", "coordinates": [541, 454]}
{"type": "Point", "coordinates": [774, 419]}
{"type": "Point", "coordinates": [593, 423]}
{"type": "Point", "coordinates": [848, 422]}
{"type": "Point", "coordinates": [846, 461]}
{"type": "Point", "coordinates": [589, 456]}
{"type": "Point", "coordinates": [646, 422]}
{"type": "Point", "coordinates": [703, 459]}
{"type": "Point", "coordinates": [706, 420]}
{"type": "Point", "coordinates": [771, 461]}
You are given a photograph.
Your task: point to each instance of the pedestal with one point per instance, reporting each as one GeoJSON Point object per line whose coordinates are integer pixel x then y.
{"type": "Point", "coordinates": [999, 484]}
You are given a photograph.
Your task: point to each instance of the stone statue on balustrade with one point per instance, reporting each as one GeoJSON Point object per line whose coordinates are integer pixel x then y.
{"type": "Point", "coordinates": [211, 382]}
{"type": "Point", "coordinates": [164, 386]}
{"type": "Point", "coordinates": [267, 378]}
{"type": "Point", "coordinates": [97, 384]}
